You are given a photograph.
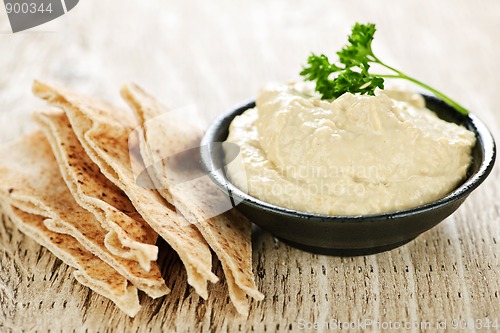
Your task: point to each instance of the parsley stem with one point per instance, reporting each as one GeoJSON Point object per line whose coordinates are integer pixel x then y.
{"type": "Point", "coordinates": [353, 73]}
{"type": "Point", "coordinates": [401, 75]}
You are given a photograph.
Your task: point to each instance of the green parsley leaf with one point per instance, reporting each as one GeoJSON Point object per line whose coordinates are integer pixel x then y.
{"type": "Point", "coordinates": [351, 73]}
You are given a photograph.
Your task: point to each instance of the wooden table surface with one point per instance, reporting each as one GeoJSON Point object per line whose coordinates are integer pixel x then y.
{"type": "Point", "coordinates": [211, 55]}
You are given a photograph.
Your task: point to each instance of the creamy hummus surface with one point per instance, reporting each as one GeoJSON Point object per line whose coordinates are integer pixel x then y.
{"type": "Point", "coordinates": [354, 155]}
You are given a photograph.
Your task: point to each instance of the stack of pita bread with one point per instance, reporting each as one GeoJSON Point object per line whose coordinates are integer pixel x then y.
{"type": "Point", "coordinates": [72, 186]}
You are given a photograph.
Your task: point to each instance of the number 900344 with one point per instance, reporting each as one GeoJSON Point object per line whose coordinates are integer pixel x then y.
{"type": "Point", "coordinates": [27, 7]}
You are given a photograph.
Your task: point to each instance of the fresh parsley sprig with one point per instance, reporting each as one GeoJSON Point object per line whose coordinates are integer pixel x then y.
{"type": "Point", "coordinates": [352, 69]}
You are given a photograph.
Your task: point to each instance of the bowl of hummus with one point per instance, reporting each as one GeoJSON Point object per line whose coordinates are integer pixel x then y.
{"type": "Point", "coordinates": [355, 175]}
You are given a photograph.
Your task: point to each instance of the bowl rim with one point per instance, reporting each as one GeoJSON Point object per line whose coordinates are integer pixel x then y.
{"type": "Point", "coordinates": [483, 137]}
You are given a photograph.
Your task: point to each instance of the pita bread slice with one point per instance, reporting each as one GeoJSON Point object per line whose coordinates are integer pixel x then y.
{"type": "Point", "coordinates": [128, 235]}
{"type": "Point", "coordinates": [228, 234]}
{"type": "Point", "coordinates": [104, 132]}
{"type": "Point", "coordinates": [90, 270]}
{"type": "Point", "coordinates": [30, 179]}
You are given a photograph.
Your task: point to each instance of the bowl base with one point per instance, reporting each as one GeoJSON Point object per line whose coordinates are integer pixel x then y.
{"type": "Point", "coordinates": [346, 252]}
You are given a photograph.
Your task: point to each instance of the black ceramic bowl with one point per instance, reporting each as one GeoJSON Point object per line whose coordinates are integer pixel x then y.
{"type": "Point", "coordinates": [350, 235]}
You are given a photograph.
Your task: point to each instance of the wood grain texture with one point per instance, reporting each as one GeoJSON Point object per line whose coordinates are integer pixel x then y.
{"type": "Point", "coordinates": [211, 55]}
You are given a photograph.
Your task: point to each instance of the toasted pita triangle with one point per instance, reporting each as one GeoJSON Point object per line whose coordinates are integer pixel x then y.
{"type": "Point", "coordinates": [30, 178]}
{"type": "Point", "coordinates": [90, 270]}
{"type": "Point", "coordinates": [165, 137]}
{"type": "Point", "coordinates": [128, 235]}
{"type": "Point", "coordinates": [104, 131]}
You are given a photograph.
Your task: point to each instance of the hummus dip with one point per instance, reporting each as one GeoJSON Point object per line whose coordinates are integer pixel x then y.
{"type": "Point", "coordinates": [354, 155]}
